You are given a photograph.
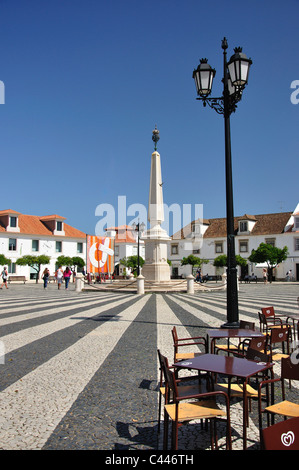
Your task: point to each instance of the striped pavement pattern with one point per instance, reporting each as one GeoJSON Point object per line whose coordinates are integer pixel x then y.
{"type": "Point", "coordinates": [80, 370]}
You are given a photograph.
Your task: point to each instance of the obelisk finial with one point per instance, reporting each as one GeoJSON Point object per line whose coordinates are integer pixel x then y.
{"type": "Point", "coordinates": [155, 137]}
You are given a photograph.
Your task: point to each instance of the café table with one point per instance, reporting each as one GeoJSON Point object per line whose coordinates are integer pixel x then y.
{"type": "Point", "coordinates": [229, 366]}
{"type": "Point", "coordinates": [229, 333]}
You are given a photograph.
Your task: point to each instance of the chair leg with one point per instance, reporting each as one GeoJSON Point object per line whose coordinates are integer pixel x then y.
{"type": "Point", "coordinates": [159, 412]}
{"type": "Point", "coordinates": [165, 434]}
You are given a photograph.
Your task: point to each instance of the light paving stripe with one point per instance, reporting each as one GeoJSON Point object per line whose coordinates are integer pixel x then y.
{"type": "Point", "coordinates": [31, 316]}
{"type": "Point", "coordinates": [52, 302]}
{"type": "Point", "coordinates": [26, 336]}
{"type": "Point", "coordinates": [32, 407]}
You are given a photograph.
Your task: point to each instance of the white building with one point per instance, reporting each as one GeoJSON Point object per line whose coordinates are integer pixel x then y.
{"type": "Point", "coordinates": [125, 245]}
{"type": "Point", "coordinates": [22, 234]}
{"type": "Point", "coordinates": [280, 229]}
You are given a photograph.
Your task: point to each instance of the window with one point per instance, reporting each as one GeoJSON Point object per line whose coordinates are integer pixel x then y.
{"type": "Point", "coordinates": [270, 241]}
{"type": "Point", "coordinates": [13, 221]}
{"type": "Point", "coordinates": [59, 226]}
{"type": "Point", "coordinates": [196, 251]}
{"type": "Point", "coordinates": [243, 226]}
{"type": "Point", "coordinates": [174, 249]}
{"type": "Point", "coordinates": [243, 246]}
{"type": "Point", "coordinates": [116, 250]}
{"type": "Point", "coordinates": [11, 268]}
{"type": "Point", "coordinates": [35, 245]}
{"type": "Point", "coordinates": [297, 244]}
{"type": "Point", "coordinates": [58, 247]}
{"type": "Point", "coordinates": [296, 223]}
{"type": "Point", "coordinates": [12, 244]}
{"type": "Point", "coordinates": [79, 247]}
{"type": "Point", "coordinates": [219, 247]}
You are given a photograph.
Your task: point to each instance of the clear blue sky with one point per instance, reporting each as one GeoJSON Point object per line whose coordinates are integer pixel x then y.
{"type": "Point", "coordinates": [87, 80]}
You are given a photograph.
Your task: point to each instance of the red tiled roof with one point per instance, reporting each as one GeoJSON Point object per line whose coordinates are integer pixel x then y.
{"type": "Point", "coordinates": [124, 234]}
{"type": "Point", "coordinates": [266, 224]}
{"type": "Point", "coordinates": [33, 225]}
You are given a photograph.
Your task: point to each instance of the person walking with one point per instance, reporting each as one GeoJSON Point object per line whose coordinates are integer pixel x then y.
{"type": "Point", "coordinates": [67, 275]}
{"type": "Point", "coordinates": [45, 277]}
{"type": "Point", "coordinates": [59, 276]}
{"type": "Point", "coordinates": [265, 275]}
{"type": "Point", "coordinates": [4, 277]}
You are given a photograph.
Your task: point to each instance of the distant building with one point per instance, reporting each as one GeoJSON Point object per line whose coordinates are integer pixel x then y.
{"type": "Point", "coordinates": [280, 229]}
{"type": "Point", "coordinates": [125, 245]}
{"type": "Point", "coordinates": [22, 234]}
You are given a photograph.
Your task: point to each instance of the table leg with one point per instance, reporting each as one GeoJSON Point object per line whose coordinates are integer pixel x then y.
{"type": "Point", "coordinates": [245, 413]}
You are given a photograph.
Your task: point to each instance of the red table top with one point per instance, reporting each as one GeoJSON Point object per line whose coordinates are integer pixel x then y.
{"type": "Point", "coordinates": [231, 366]}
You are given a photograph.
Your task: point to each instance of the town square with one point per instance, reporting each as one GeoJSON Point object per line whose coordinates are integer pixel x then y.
{"type": "Point", "coordinates": [149, 228]}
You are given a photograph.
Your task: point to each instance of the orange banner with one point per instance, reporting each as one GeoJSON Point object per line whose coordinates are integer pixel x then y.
{"type": "Point", "coordinates": [100, 254]}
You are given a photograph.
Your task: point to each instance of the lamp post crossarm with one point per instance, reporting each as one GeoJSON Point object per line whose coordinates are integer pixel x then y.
{"type": "Point", "coordinates": [215, 103]}
{"type": "Point", "coordinates": [218, 103]}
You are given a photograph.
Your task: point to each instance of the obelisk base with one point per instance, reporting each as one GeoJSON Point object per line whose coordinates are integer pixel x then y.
{"type": "Point", "coordinates": [156, 267]}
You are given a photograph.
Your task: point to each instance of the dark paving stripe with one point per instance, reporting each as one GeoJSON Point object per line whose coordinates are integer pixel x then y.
{"type": "Point", "coordinates": [23, 360]}
{"type": "Point", "coordinates": [118, 408]}
{"type": "Point", "coordinates": [32, 322]}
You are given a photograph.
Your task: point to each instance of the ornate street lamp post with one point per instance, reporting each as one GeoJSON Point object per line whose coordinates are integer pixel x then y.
{"type": "Point", "coordinates": [139, 228]}
{"type": "Point", "coordinates": [235, 77]}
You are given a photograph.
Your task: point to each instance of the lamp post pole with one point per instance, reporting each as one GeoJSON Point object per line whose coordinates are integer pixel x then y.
{"type": "Point", "coordinates": [235, 77]}
{"type": "Point", "coordinates": [232, 281]}
{"type": "Point", "coordinates": [137, 227]}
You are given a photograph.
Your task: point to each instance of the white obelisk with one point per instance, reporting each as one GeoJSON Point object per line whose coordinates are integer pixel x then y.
{"type": "Point", "coordinates": [156, 267]}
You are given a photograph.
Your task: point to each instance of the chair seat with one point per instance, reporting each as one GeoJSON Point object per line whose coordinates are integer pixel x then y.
{"type": "Point", "coordinates": [225, 347]}
{"type": "Point", "coordinates": [183, 356]}
{"type": "Point", "coordinates": [279, 356]}
{"type": "Point", "coordinates": [285, 408]}
{"type": "Point", "coordinates": [195, 410]}
{"type": "Point", "coordinates": [236, 390]}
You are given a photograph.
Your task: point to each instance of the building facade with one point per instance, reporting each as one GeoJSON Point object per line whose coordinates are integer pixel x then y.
{"type": "Point", "coordinates": [207, 239]}
{"type": "Point", "coordinates": [22, 234]}
{"type": "Point", "coordinates": [125, 245]}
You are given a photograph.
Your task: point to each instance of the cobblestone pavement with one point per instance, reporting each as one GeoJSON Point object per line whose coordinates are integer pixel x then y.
{"type": "Point", "coordinates": [80, 370]}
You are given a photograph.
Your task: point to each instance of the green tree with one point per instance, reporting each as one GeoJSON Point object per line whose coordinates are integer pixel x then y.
{"type": "Point", "coordinates": [77, 261]}
{"type": "Point", "coordinates": [194, 261]}
{"type": "Point", "coordinates": [4, 261]}
{"type": "Point", "coordinates": [132, 262]}
{"type": "Point", "coordinates": [221, 261]}
{"type": "Point", "coordinates": [64, 261]}
{"type": "Point", "coordinates": [266, 253]}
{"type": "Point", "coordinates": [34, 262]}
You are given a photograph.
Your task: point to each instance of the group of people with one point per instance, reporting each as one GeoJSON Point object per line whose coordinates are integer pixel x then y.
{"type": "Point", "coordinates": [59, 275]}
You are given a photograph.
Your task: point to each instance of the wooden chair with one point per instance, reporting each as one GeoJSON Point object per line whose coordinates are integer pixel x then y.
{"type": "Point", "coordinates": [236, 389]}
{"type": "Point", "coordinates": [279, 336]}
{"type": "Point", "coordinates": [268, 323]}
{"type": "Point", "coordinates": [188, 385]}
{"type": "Point", "coordinates": [257, 344]}
{"type": "Point", "coordinates": [231, 348]}
{"type": "Point", "coordinates": [281, 436]}
{"type": "Point", "coordinates": [183, 342]}
{"type": "Point", "coordinates": [181, 409]}
{"type": "Point", "coordinates": [285, 408]}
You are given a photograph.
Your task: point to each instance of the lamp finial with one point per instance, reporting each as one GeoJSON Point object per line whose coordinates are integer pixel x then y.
{"type": "Point", "coordinates": [155, 136]}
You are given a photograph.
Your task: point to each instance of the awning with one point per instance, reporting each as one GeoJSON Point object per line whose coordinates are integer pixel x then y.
{"type": "Point", "coordinates": [261, 265]}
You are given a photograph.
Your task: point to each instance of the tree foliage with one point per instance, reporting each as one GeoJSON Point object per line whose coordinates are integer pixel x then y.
{"type": "Point", "coordinates": [221, 261]}
{"type": "Point", "coordinates": [269, 254]}
{"type": "Point", "coordinates": [34, 262]}
{"type": "Point", "coordinates": [193, 260]}
{"type": "Point", "coordinates": [132, 262]}
{"type": "Point", "coordinates": [4, 260]}
{"type": "Point", "coordinates": [70, 261]}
